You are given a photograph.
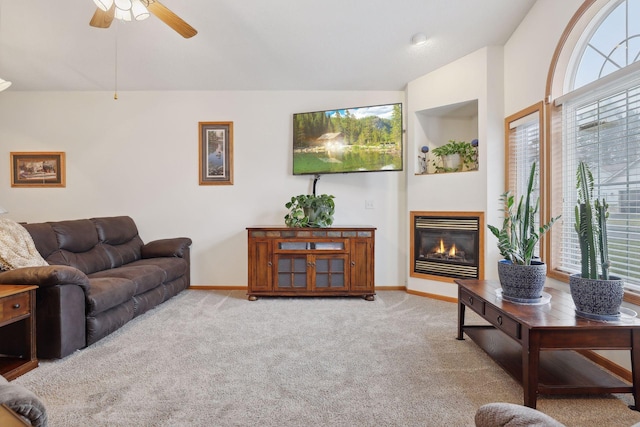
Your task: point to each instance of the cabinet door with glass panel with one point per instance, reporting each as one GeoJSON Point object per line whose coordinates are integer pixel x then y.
{"type": "Point", "coordinates": [311, 266]}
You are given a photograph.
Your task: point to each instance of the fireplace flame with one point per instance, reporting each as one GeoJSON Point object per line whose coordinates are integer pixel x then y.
{"type": "Point", "coordinates": [452, 251]}
{"type": "Point", "coordinates": [441, 251]}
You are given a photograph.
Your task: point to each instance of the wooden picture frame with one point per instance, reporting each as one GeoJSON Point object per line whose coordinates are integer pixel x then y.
{"type": "Point", "coordinates": [216, 153]}
{"type": "Point", "coordinates": [38, 169]}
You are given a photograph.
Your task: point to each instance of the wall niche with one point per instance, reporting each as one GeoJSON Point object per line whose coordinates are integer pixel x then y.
{"type": "Point", "coordinates": [447, 125]}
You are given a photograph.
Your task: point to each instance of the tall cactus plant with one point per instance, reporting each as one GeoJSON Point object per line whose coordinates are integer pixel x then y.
{"type": "Point", "coordinates": [591, 226]}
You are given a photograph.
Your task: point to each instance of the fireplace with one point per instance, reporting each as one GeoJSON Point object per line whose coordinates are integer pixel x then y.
{"type": "Point", "coordinates": [447, 245]}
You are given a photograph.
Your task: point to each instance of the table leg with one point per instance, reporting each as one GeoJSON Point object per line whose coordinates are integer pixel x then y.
{"type": "Point", "coordinates": [530, 366]}
{"type": "Point", "coordinates": [461, 308]}
{"type": "Point", "coordinates": [635, 369]}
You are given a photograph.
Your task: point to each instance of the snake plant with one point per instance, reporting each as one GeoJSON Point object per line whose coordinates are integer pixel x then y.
{"type": "Point", "coordinates": [518, 236]}
{"type": "Point", "coordinates": [591, 226]}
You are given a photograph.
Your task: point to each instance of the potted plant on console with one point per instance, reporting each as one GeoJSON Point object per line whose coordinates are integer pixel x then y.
{"type": "Point", "coordinates": [308, 210]}
{"type": "Point", "coordinates": [521, 276]}
{"type": "Point", "coordinates": [596, 294]}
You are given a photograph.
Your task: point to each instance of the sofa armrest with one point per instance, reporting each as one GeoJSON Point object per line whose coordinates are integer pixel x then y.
{"type": "Point", "coordinates": [50, 275]}
{"type": "Point", "coordinates": [176, 247]}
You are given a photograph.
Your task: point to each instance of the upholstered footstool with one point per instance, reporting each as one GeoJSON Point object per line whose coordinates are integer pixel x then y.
{"type": "Point", "coordinates": [511, 415]}
{"type": "Point", "coordinates": [23, 402]}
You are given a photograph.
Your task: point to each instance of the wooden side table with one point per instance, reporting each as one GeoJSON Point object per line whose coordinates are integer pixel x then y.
{"type": "Point", "coordinates": [17, 330]}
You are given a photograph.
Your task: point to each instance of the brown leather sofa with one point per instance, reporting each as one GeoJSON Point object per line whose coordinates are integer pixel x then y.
{"type": "Point", "coordinates": [100, 276]}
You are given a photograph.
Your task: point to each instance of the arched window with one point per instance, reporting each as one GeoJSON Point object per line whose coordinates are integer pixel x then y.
{"type": "Point", "coordinates": [596, 118]}
{"type": "Point", "coordinates": [614, 43]}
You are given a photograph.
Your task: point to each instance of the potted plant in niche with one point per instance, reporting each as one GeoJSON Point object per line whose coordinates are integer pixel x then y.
{"type": "Point", "coordinates": [454, 156]}
{"type": "Point", "coordinates": [308, 210]}
{"type": "Point", "coordinates": [596, 294]}
{"type": "Point", "coordinates": [521, 276]}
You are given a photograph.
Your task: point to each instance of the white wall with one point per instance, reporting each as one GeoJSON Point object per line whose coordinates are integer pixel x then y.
{"type": "Point", "coordinates": [138, 156]}
{"type": "Point", "coordinates": [528, 53]}
{"type": "Point", "coordinates": [477, 76]}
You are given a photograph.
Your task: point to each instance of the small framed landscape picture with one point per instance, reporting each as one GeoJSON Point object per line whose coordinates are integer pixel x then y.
{"type": "Point", "coordinates": [38, 169]}
{"type": "Point", "coordinates": [216, 153]}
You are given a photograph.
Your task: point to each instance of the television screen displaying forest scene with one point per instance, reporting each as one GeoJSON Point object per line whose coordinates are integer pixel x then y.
{"type": "Point", "coordinates": [361, 139]}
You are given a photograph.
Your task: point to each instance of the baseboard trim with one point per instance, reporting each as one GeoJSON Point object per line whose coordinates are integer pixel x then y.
{"type": "Point", "coordinates": [432, 296]}
{"type": "Point", "coordinates": [602, 361]}
{"type": "Point", "coordinates": [218, 287]}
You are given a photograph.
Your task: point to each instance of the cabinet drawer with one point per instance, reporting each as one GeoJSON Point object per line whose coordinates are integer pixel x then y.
{"type": "Point", "coordinates": [14, 306]}
{"type": "Point", "coordinates": [475, 303]}
{"type": "Point", "coordinates": [502, 322]}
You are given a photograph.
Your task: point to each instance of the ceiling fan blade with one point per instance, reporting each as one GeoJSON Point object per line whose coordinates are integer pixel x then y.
{"type": "Point", "coordinates": [171, 19]}
{"type": "Point", "coordinates": [102, 19]}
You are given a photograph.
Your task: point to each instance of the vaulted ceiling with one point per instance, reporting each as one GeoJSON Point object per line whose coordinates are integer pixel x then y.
{"type": "Point", "coordinates": [247, 44]}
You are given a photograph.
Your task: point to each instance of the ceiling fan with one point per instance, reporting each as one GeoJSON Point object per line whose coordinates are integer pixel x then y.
{"type": "Point", "coordinates": [138, 10]}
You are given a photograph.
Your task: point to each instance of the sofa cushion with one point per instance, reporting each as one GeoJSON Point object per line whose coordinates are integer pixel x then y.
{"type": "Point", "coordinates": [44, 239]}
{"type": "Point", "coordinates": [173, 267]}
{"type": "Point", "coordinates": [120, 238]}
{"type": "Point", "coordinates": [108, 292]}
{"type": "Point", "coordinates": [79, 246]}
{"type": "Point", "coordinates": [145, 277]}
{"type": "Point", "coordinates": [75, 235]}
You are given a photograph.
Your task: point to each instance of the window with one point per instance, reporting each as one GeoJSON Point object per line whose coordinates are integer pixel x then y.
{"type": "Point", "coordinates": [602, 128]}
{"type": "Point", "coordinates": [599, 123]}
{"type": "Point", "coordinates": [614, 43]}
{"type": "Point", "coordinates": [523, 132]}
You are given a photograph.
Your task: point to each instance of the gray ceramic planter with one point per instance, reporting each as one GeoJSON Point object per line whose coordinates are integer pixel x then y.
{"type": "Point", "coordinates": [595, 298]}
{"type": "Point", "coordinates": [522, 283]}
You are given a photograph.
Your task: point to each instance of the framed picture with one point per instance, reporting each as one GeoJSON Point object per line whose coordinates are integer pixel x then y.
{"type": "Point", "coordinates": [37, 169]}
{"type": "Point", "coordinates": [216, 153]}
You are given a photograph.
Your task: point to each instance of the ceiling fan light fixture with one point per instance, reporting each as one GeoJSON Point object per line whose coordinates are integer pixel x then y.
{"type": "Point", "coordinates": [123, 4]}
{"type": "Point", "coordinates": [4, 84]}
{"type": "Point", "coordinates": [123, 15]}
{"type": "Point", "coordinates": [103, 4]}
{"type": "Point", "coordinates": [138, 10]}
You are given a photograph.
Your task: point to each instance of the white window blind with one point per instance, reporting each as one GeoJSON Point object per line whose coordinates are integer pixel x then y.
{"type": "Point", "coordinates": [602, 128]}
{"type": "Point", "coordinates": [524, 149]}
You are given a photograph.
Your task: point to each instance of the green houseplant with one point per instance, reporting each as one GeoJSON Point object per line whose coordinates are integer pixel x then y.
{"type": "Point", "coordinates": [595, 292]}
{"type": "Point", "coordinates": [522, 278]}
{"type": "Point", "coordinates": [307, 210]}
{"type": "Point", "coordinates": [454, 156]}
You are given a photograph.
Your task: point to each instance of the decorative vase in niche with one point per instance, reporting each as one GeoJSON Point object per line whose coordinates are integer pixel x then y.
{"type": "Point", "coordinates": [597, 299]}
{"type": "Point", "coordinates": [522, 283]}
{"type": "Point", "coordinates": [451, 162]}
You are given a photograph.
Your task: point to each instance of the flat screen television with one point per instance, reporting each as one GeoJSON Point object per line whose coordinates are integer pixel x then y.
{"type": "Point", "coordinates": [359, 139]}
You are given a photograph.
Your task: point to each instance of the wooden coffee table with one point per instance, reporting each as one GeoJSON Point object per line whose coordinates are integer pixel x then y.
{"type": "Point", "coordinates": [536, 343]}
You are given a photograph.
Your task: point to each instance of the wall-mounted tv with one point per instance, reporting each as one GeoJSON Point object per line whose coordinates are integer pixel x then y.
{"type": "Point", "coordinates": [360, 139]}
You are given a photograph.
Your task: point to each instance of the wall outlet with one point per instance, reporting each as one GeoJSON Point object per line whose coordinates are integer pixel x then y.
{"type": "Point", "coordinates": [368, 204]}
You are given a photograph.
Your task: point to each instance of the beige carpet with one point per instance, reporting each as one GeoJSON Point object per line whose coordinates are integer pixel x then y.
{"type": "Point", "coordinates": [212, 358]}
